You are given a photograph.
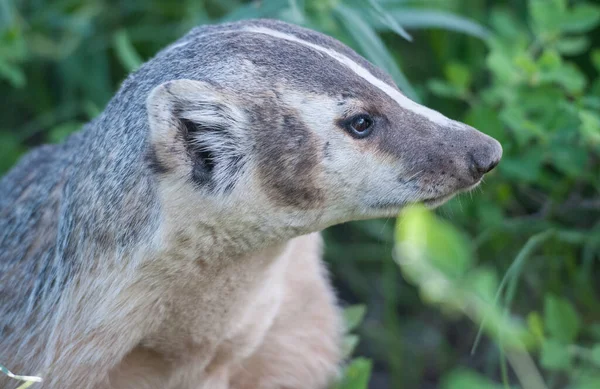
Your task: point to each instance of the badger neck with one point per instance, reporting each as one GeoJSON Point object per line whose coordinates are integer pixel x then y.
{"type": "Point", "coordinates": [217, 235]}
{"type": "Point", "coordinates": [226, 227]}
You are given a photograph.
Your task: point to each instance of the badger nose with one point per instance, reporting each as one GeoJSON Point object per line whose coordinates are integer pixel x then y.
{"type": "Point", "coordinates": [485, 157]}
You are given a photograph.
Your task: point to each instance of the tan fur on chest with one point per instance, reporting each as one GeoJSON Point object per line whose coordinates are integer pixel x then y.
{"type": "Point", "coordinates": [216, 316]}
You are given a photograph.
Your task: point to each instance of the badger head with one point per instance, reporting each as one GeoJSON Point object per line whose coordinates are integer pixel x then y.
{"type": "Point", "coordinates": [271, 126]}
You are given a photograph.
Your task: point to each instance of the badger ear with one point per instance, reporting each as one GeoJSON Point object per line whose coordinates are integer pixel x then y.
{"type": "Point", "coordinates": [195, 129]}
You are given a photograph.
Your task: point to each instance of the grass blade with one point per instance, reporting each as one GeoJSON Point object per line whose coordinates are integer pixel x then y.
{"type": "Point", "coordinates": [126, 53]}
{"type": "Point", "coordinates": [512, 275]}
{"type": "Point", "coordinates": [372, 46]}
{"type": "Point", "coordinates": [392, 23]}
{"type": "Point", "coordinates": [29, 380]}
{"type": "Point", "coordinates": [424, 19]}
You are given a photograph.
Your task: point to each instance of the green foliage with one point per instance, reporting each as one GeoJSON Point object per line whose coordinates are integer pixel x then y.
{"type": "Point", "coordinates": [356, 375]}
{"type": "Point", "coordinates": [420, 240]}
{"type": "Point", "coordinates": [499, 292]}
{"type": "Point", "coordinates": [540, 99]}
{"type": "Point", "coordinates": [438, 258]}
{"type": "Point", "coordinates": [357, 371]}
{"type": "Point", "coordinates": [353, 316]}
{"type": "Point", "coordinates": [561, 319]}
{"type": "Point", "coordinates": [465, 379]}
{"type": "Point", "coordinates": [555, 355]}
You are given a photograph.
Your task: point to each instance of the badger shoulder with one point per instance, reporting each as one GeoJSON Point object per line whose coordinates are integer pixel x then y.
{"type": "Point", "coordinates": [29, 204]}
{"type": "Point", "coordinates": [29, 190]}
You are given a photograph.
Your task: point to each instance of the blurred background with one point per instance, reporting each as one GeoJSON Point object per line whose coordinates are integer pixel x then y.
{"type": "Point", "coordinates": [499, 288]}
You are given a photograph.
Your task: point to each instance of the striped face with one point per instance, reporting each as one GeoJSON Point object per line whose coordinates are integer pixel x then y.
{"type": "Point", "coordinates": [323, 130]}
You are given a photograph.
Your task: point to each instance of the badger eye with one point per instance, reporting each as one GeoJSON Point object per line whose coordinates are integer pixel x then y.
{"type": "Point", "coordinates": [360, 126]}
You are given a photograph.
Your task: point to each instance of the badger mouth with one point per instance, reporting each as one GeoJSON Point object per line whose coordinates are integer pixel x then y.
{"type": "Point", "coordinates": [435, 202]}
{"type": "Point", "coordinates": [391, 208]}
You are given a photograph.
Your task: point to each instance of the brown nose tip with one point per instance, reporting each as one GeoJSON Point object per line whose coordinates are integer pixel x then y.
{"type": "Point", "coordinates": [485, 158]}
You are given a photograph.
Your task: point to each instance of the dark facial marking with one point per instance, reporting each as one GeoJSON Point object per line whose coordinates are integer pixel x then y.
{"type": "Point", "coordinates": [326, 153]}
{"type": "Point", "coordinates": [288, 159]}
{"type": "Point", "coordinates": [156, 166]}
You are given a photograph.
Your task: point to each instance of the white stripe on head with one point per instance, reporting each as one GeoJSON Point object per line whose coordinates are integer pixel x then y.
{"type": "Point", "coordinates": [365, 74]}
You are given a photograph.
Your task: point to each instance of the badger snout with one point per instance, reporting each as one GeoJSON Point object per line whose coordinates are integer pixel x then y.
{"type": "Point", "coordinates": [484, 156]}
{"type": "Point", "coordinates": [456, 159]}
{"type": "Point", "coordinates": [468, 155]}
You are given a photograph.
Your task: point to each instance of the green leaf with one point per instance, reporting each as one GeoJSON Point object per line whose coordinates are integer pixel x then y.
{"type": "Point", "coordinates": [486, 119]}
{"type": "Point", "coordinates": [570, 160]}
{"type": "Point", "coordinates": [62, 131]}
{"type": "Point", "coordinates": [568, 76]}
{"type": "Point", "coordinates": [254, 10]}
{"type": "Point", "coordinates": [555, 355]}
{"type": "Point", "coordinates": [483, 282]}
{"type": "Point", "coordinates": [525, 168]}
{"type": "Point", "coordinates": [293, 14]}
{"type": "Point", "coordinates": [536, 325]}
{"type": "Point", "coordinates": [581, 18]}
{"type": "Point", "coordinates": [467, 379]}
{"type": "Point", "coordinates": [458, 75]}
{"type": "Point", "coordinates": [587, 380]}
{"type": "Point", "coordinates": [423, 237]}
{"type": "Point", "coordinates": [505, 24]}
{"type": "Point", "coordinates": [561, 319]}
{"type": "Point", "coordinates": [350, 342]}
{"type": "Point", "coordinates": [353, 316]}
{"type": "Point", "coordinates": [572, 46]}
{"type": "Point", "coordinates": [592, 102]}
{"type": "Point", "coordinates": [525, 62]}
{"type": "Point", "coordinates": [590, 126]}
{"type": "Point", "coordinates": [595, 56]}
{"type": "Point", "coordinates": [7, 14]}
{"type": "Point", "coordinates": [596, 354]}
{"type": "Point", "coordinates": [10, 150]}
{"type": "Point", "coordinates": [12, 73]}
{"type": "Point", "coordinates": [442, 88]}
{"type": "Point", "coordinates": [546, 16]}
{"type": "Point", "coordinates": [550, 60]}
{"type": "Point", "coordinates": [126, 53]}
{"type": "Point", "coordinates": [502, 66]}
{"type": "Point", "coordinates": [13, 44]}
{"type": "Point", "coordinates": [356, 375]}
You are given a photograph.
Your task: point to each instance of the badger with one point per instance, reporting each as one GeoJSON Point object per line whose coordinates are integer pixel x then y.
{"type": "Point", "coordinates": [173, 242]}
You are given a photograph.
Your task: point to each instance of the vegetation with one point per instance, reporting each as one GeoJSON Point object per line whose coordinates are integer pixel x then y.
{"type": "Point", "coordinates": [499, 290]}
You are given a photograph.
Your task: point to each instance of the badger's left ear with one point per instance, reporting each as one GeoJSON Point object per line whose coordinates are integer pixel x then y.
{"type": "Point", "coordinates": [196, 130]}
